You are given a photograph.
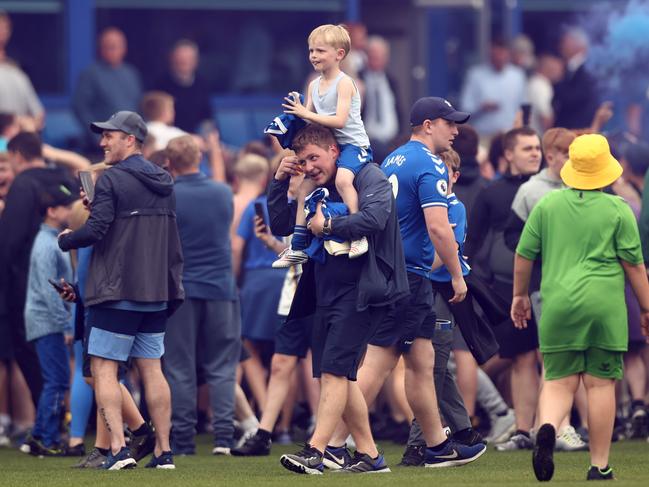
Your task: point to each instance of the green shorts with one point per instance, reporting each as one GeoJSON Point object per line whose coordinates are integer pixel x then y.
{"type": "Point", "coordinates": [605, 364]}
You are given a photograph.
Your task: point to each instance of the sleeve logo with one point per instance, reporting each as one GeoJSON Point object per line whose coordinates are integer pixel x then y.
{"type": "Point", "coordinates": [442, 187]}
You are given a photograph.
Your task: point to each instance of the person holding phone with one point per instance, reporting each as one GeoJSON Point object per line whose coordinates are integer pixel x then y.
{"type": "Point", "coordinates": [48, 321]}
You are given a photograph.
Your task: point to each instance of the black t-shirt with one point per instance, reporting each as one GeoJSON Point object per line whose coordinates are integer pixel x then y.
{"type": "Point", "coordinates": [339, 275]}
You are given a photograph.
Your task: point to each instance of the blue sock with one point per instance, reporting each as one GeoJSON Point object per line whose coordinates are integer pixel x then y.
{"type": "Point", "coordinates": [299, 238]}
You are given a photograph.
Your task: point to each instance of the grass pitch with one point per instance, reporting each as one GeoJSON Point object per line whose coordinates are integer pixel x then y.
{"type": "Point", "coordinates": [630, 461]}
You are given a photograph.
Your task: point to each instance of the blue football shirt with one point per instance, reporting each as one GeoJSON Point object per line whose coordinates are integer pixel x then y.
{"type": "Point", "coordinates": [419, 180]}
{"type": "Point", "coordinates": [457, 218]}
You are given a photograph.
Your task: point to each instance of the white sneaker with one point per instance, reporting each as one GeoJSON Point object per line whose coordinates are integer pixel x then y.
{"type": "Point", "coordinates": [516, 442]}
{"type": "Point", "coordinates": [569, 440]}
{"type": "Point", "coordinates": [290, 257]}
{"type": "Point", "coordinates": [359, 247]}
{"type": "Point", "coordinates": [221, 450]}
{"type": "Point", "coordinates": [502, 427]}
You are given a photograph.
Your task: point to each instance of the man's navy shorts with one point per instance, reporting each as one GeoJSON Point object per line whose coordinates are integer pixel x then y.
{"type": "Point", "coordinates": [412, 317]}
{"type": "Point", "coordinates": [293, 337]}
{"type": "Point", "coordinates": [340, 336]}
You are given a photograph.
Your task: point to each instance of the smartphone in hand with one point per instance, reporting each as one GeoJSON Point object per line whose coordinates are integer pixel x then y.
{"type": "Point", "coordinates": [259, 211]}
{"type": "Point", "coordinates": [56, 285]}
{"type": "Point", "coordinates": [87, 184]}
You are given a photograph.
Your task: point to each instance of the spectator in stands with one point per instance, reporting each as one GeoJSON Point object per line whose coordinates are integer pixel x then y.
{"type": "Point", "coordinates": [540, 91]}
{"type": "Point", "coordinates": [17, 94]}
{"type": "Point", "coordinates": [523, 53]}
{"type": "Point", "coordinates": [490, 212]}
{"type": "Point", "coordinates": [493, 92]}
{"type": "Point", "coordinates": [187, 86]}
{"type": "Point", "coordinates": [19, 224]}
{"type": "Point", "coordinates": [159, 113]}
{"type": "Point", "coordinates": [576, 97]}
{"type": "Point", "coordinates": [207, 320]}
{"type": "Point", "coordinates": [107, 86]}
{"type": "Point", "coordinates": [381, 101]}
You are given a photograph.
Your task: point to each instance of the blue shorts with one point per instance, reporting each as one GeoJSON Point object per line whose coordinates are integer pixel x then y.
{"type": "Point", "coordinates": [293, 337]}
{"type": "Point", "coordinates": [117, 334]}
{"type": "Point", "coordinates": [353, 157]}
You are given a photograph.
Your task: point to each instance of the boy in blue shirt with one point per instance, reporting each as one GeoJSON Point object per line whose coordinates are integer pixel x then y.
{"type": "Point", "coordinates": [47, 320]}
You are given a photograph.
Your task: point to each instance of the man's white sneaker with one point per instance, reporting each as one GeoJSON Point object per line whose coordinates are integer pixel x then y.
{"type": "Point", "coordinates": [569, 440]}
{"type": "Point", "coordinates": [221, 450]}
{"type": "Point", "coordinates": [502, 427]}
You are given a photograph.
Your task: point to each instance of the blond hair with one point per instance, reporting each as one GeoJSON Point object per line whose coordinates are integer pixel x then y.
{"type": "Point", "coordinates": [335, 36]}
{"type": "Point", "coordinates": [252, 167]}
{"type": "Point", "coordinates": [183, 153]}
{"type": "Point", "coordinates": [155, 103]}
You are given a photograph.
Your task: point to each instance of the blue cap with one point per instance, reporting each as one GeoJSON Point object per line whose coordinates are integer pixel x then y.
{"type": "Point", "coordinates": [432, 107]}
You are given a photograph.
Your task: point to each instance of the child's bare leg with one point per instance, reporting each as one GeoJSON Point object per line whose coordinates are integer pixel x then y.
{"type": "Point", "coordinates": [346, 190]}
{"type": "Point", "coordinates": [601, 416]}
{"type": "Point", "coordinates": [556, 400]}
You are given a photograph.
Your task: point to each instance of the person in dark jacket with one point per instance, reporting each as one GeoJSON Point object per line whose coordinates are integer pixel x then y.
{"type": "Point", "coordinates": [134, 280]}
{"type": "Point", "coordinates": [490, 213]}
{"type": "Point", "coordinates": [349, 297]}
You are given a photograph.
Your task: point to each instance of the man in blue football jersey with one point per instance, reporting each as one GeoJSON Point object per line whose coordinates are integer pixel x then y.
{"type": "Point", "coordinates": [420, 181]}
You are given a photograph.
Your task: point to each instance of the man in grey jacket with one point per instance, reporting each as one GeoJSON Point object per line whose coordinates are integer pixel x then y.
{"type": "Point", "coordinates": [349, 297]}
{"type": "Point", "coordinates": [133, 280]}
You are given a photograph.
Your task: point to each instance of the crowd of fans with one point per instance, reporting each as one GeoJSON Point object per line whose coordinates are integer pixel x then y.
{"type": "Point", "coordinates": [219, 360]}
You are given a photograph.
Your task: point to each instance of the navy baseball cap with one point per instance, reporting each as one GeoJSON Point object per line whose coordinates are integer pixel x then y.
{"type": "Point", "coordinates": [432, 107]}
{"type": "Point", "coordinates": [128, 122]}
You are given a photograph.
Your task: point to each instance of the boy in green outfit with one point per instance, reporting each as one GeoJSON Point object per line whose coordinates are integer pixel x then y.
{"type": "Point", "coordinates": [587, 241]}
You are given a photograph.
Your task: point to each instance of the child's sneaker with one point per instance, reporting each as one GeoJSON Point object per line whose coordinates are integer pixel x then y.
{"type": "Point", "coordinates": [165, 461]}
{"type": "Point", "coordinates": [359, 247]}
{"type": "Point", "coordinates": [596, 473]}
{"type": "Point", "coordinates": [290, 257]}
{"type": "Point", "coordinates": [542, 458]}
{"type": "Point", "coordinates": [119, 461]}
{"type": "Point", "coordinates": [363, 463]}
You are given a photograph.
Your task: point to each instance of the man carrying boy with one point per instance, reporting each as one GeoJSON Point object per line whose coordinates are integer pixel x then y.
{"type": "Point", "coordinates": [134, 280]}
{"type": "Point", "coordinates": [581, 335]}
{"type": "Point", "coordinates": [47, 320]}
{"type": "Point", "coordinates": [349, 297]}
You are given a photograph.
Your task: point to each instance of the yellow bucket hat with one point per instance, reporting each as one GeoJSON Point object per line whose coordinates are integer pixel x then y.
{"type": "Point", "coordinates": [591, 165]}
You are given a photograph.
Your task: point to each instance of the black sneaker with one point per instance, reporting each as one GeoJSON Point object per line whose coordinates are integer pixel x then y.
{"type": "Point", "coordinates": [542, 458]}
{"type": "Point", "coordinates": [639, 419]}
{"type": "Point", "coordinates": [469, 437]}
{"type": "Point", "coordinates": [306, 461]}
{"type": "Point", "coordinates": [363, 463]}
{"type": "Point", "coordinates": [336, 458]}
{"type": "Point", "coordinates": [142, 445]}
{"type": "Point", "coordinates": [413, 456]}
{"type": "Point", "coordinates": [95, 459]}
{"type": "Point", "coordinates": [122, 460]}
{"type": "Point", "coordinates": [164, 461]}
{"type": "Point", "coordinates": [596, 473]}
{"type": "Point", "coordinates": [38, 449]}
{"type": "Point", "coordinates": [255, 446]}
{"type": "Point", "coordinates": [74, 451]}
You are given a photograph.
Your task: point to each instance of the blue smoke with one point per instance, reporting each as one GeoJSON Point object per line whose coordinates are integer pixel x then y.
{"type": "Point", "coordinates": [621, 55]}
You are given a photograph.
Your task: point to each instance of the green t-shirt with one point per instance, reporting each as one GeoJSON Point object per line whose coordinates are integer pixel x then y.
{"type": "Point", "coordinates": [581, 236]}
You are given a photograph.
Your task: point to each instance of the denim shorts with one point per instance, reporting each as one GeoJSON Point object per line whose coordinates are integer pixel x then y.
{"type": "Point", "coordinates": [117, 334]}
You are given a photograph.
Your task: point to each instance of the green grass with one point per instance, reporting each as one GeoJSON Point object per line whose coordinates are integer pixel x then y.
{"type": "Point", "coordinates": [629, 459]}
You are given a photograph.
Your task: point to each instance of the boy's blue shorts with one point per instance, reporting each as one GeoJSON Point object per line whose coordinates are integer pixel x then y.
{"type": "Point", "coordinates": [353, 157]}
